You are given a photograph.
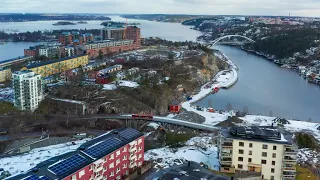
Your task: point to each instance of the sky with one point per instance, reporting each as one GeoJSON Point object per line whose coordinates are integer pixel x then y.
{"type": "Point", "coordinates": [206, 7]}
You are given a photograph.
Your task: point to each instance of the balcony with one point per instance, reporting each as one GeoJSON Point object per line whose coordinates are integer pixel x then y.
{"type": "Point", "coordinates": [226, 144]}
{"type": "Point", "coordinates": [292, 169]}
{"type": "Point", "coordinates": [226, 155]}
{"type": "Point", "coordinates": [132, 157]}
{"type": "Point", "coordinates": [132, 149]}
{"type": "Point", "coordinates": [99, 177]}
{"type": "Point", "coordinates": [98, 169]}
{"type": "Point", "coordinates": [289, 159]}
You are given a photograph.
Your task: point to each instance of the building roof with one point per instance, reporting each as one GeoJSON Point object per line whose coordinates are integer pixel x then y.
{"type": "Point", "coordinates": [52, 61]}
{"type": "Point", "coordinates": [186, 172]}
{"type": "Point", "coordinates": [64, 165]}
{"type": "Point", "coordinates": [14, 59]}
{"type": "Point", "coordinates": [66, 33]}
{"type": "Point", "coordinates": [22, 72]}
{"type": "Point", "coordinates": [257, 133]}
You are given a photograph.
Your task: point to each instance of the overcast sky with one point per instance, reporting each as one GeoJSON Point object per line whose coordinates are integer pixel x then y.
{"type": "Point", "coordinates": [210, 7]}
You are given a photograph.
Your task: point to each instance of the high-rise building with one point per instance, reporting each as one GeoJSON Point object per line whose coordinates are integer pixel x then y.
{"type": "Point", "coordinates": [258, 149]}
{"type": "Point", "coordinates": [113, 155]}
{"type": "Point", "coordinates": [27, 90]}
{"type": "Point", "coordinates": [116, 33]}
{"type": "Point", "coordinates": [49, 51]}
{"type": "Point", "coordinates": [133, 33]}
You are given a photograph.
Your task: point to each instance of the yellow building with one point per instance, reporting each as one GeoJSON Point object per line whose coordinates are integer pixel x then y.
{"type": "Point", "coordinates": [261, 149]}
{"type": "Point", "coordinates": [57, 66]}
{"type": "Point", "coordinates": [5, 73]}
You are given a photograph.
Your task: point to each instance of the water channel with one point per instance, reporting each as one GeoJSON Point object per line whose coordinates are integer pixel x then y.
{"type": "Point", "coordinates": [262, 85]}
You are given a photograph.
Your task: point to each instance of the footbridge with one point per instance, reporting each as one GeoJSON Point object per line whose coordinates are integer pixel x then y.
{"type": "Point", "coordinates": [218, 40]}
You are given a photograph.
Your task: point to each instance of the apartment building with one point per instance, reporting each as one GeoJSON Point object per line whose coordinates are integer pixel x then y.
{"type": "Point", "coordinates": [27, 90]}
{"type": "Point", "coordinates": [5, 73]}
{"type": "Point", "coordinates": [113, 156]}
{"type": "Point", "coordinates": [258, 149]}
{"type": "Point", "coordinates": [49, 51]}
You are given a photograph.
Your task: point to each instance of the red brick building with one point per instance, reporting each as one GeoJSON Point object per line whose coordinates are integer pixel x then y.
{"type": "Point", "coordinates": [110, 156]}
{"type": "Point", "coordinates": [66, 38]}
{"type": "Point", "coordinates": [175, 107]}
{"type": "Point", "coordinates": [30, 52]}
{"type": "Point", "coordinates": [133, 33]}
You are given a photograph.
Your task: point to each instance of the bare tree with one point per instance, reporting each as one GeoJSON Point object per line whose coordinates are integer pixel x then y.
{"type": "Point", "coordinates": [270, 113]}
{"type": "Point", "coordinates": [228, 107]}
{"type": "Point", "coordinates": [246, 110]}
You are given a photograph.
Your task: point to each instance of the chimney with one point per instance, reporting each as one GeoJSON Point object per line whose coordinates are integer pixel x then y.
{"type": "Point", "coordinates": [189, 163]}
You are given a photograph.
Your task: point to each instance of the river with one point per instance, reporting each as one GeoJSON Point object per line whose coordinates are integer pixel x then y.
{"type": "Point", "coordinates": [262, 85]}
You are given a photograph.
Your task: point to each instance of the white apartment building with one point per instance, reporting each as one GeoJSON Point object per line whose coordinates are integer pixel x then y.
{"type": "Point", "coordinates": [27, 90]}
{"type": "Point", "coordinates": [49, 51]}
{"type": "Point", "coordinates": [258, 149]}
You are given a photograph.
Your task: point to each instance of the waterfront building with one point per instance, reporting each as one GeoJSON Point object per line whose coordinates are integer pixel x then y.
{"type": "Point", "coordinates": [49, 51]}
{"type": "Point", "coordinates": [27, 90]}
{"type": "Point", "coordinates": [113, 155]}
{"type": "Point", "coordinates": [32, 51]}
{"type": "Point", "coordinates": [258, 149]}
{"type": "Point", "coordinates": [113, 32]}
{"type": "Point", "coordinates": [65, 38]}
{"type": "Point", "coordinates": [48, 68]}
{"type": "Point", "coordinates": [134, 33]}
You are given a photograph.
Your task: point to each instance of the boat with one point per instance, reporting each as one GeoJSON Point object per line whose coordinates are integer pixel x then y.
{"type": "Point", "coordinates": [215, 90]}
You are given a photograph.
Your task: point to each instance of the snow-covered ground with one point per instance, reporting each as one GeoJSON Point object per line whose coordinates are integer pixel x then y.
{"type": "Point", "coordinates": [24, 162]}
{"type": "Point", "coordinates": [121, 83]}
{"type": "Point", "coordinates": [198, 149]}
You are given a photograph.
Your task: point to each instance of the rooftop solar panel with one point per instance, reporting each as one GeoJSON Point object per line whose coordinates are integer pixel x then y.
{"type": "Point", "coordinates": [129, 133]}
{"type": "Point", "coordinates": [68, 164]}
{"type": "Point", "coordinates": [99, 149]}
{"type": "Point", "coordinates": [35, 177]}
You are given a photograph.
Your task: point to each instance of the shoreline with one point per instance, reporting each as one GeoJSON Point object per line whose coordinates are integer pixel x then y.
{"type": "Point", "coordinates": [214, 118]}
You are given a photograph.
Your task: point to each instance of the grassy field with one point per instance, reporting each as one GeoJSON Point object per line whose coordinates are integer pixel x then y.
{"type": "Point", "coordinates": [6, 107]}
{"type": "Point", "coordinates": [305, 174]}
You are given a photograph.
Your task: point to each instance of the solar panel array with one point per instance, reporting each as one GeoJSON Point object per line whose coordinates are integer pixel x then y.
{"type": "Point", "coordinates": [100, 149]}
{"type": "Point", "coordinates": [68, 164]}
{"type": "Point", "coordinates": [129, 133]}
{"type": "Point", "coordinates": [35, 177]}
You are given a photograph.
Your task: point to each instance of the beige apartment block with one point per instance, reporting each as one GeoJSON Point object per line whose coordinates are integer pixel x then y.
{"type": "Point", "coordinates": [258, 149]}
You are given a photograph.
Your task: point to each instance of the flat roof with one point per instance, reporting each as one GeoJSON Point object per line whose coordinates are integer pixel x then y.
{"type": "Point", "coordinates": [60, 167]}
{"type": "Point", "coordinates": [186, 172]}
{"type": "Point", "coordinates": [52, 61]}
{"type": "Point", "coordinates": [257, 133]}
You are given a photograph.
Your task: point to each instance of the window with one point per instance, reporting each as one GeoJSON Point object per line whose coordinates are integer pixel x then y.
{"type": "Point", "coordinates": [264, 154]}
{"type": "Point", "coordinates": [240, 166]}
{"type": "Point", "coordinates": [118, 169]}
{"type": "Point", "coordinates": [240, 159]}
{"type": "Point", "coordinates": [140, 148]}
{"type": "Point", "coordinates": [139, 141]}
{"type": "Point", "coordinates": [273, 163]}
{"type": "Point", "coordinates": [74, 177]}
{"type": "Point", "coordinates": [111, 173]}
{"type": "Point", "coordinates": [111, 165]}
{"type": "Point", "coordinates": [125, 149]}
{"type": "Point", "coordinates": [263, 161]}
{"type": "Point", "coordinates": [264, 146]}
{"type": "Point", "coordinates": [81, 173]}
{"type": "Point", "coordinates": [111, 156]}
{"type": "Point", "coordinates": [250, 152]}
{"type": "Point", "coordinates": [117, 162]}
{"type": "Point", "coordinates": [118, 153]}
{"type": "Point", "coordinates": [140, 156]}
{"type": "Point", "coordinates": [250, 145]}
{"type": "Point", "coordinates": [272, 170]}
{"type": "Point", "coordinates": [124, 165]}
{"type": "Point", "coordinates": [249, 160]}
{"type": "Point", "coordinates": [241, 144]}
{"type": "Point", "coordinates": [125, 157]}
{"type": "Point", "coordinates": [240, 151]}
{"type": "Point", "coordinates": [274, 147]}
{"type": "Point", "coordinates": [273, 155]}
{"type": "Point", "coordinates": [90, 168]}
{"type": "Point", "coordinates": [272, 177]}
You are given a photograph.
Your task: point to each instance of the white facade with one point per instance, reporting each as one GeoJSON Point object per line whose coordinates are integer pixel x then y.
{"type": "Point", "coordinates": [27, 90]}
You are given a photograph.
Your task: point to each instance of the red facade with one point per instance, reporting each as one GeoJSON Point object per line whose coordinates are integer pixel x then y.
{"type": "Point", "coordinates": [30, 52]}
{"type": "Point", "coordinates": [103, 80]}
{"type": "Point", "coordinates": [65, 39]}
{"type": "Point", "coordinates": [115, 165]}
{"type": "Point", "coordinates": [174, 108]}
{"type": "Point", "coordinates": [92, 53]}
{"type": "Point", "coordinates": [133, 33]}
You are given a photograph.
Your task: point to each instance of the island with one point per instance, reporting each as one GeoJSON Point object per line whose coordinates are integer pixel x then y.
{"type": "Point", "coordinates": [82, 22]}
{"type": "Point", "coordinates": [63, 23]}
